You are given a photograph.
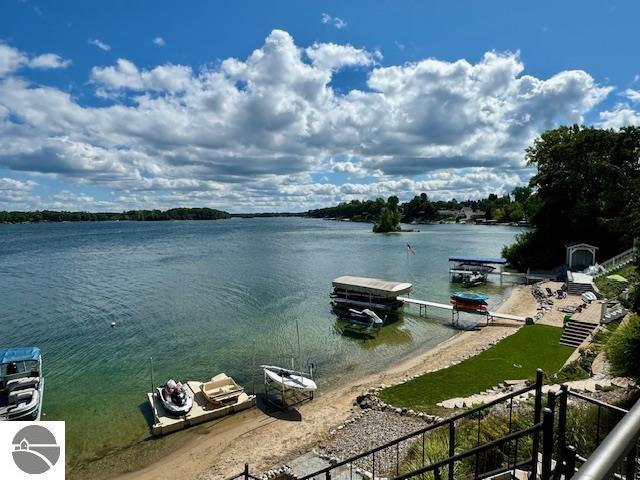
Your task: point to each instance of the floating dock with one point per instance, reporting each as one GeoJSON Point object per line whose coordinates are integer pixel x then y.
{"type": "Point", "coordinates": [201, 412]}
{"type": "Point", "coordinates": [423, 304]}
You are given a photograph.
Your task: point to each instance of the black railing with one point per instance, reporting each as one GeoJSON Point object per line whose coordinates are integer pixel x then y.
{"type": "Point", "coordinates": [572, 454]}
{"type": "Point", "coordinates": [543, 449]}
{"type": "Point", "coordinates": [386, 460]}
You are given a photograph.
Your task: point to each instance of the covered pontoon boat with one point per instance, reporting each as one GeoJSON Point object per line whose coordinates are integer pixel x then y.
{"type": "Point", "coordinates": [21, 384]}
{"type": "Point", "coordinates": [370, 293]}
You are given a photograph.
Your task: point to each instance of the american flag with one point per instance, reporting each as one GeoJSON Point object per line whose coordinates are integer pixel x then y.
{"type": "Point", "coordinates": [410, 250]}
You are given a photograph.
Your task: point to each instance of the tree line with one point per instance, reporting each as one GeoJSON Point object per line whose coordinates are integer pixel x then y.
{"type": "Point", "coordinates": [133, 215]}
{"type": "Point", "coordinates": [504, 208]}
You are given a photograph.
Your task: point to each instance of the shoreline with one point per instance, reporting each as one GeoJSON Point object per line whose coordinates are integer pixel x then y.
{"type": "Point", "coordinates": [220, 449]}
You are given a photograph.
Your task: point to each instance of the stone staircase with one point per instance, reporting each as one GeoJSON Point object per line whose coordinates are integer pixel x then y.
{"type": "Point", "coordinates": [574, 288]}
{"type": "Point", "coordinates": [575, 332]}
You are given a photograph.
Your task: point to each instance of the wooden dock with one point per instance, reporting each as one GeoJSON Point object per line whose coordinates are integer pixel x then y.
{"type": "Point", "coordinates": [444, 306]}
{"type": "Point", "coordinates": [202, 411]}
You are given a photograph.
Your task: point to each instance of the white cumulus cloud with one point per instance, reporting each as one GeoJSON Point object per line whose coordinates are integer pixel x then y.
{"type": "Point", "coordinates": [254, 133]}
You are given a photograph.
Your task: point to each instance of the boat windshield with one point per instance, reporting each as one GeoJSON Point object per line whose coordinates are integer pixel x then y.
{"type": "Point", "coordinates": [25, 368]}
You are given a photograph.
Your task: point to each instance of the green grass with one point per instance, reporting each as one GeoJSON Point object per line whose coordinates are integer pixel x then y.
{"type": "Point", "coordinates": [516, 357]}
{"type": "Point", "coordinates": [611, 288]}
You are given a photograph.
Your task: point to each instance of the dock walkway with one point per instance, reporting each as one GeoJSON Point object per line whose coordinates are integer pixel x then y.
{"type": "Point", "coordinates": [444, 306]}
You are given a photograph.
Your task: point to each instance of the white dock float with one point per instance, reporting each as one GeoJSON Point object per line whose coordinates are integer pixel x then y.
{"type": "Point", "coordinates": [202, 411]}
{"type": "Point", "coordinates": [444, 306]}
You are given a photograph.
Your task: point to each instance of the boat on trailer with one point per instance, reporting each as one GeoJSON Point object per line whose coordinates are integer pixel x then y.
{"type": "Point", "coordinates": [21, 384]}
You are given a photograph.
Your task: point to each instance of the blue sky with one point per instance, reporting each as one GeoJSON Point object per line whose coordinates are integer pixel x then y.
{"type": "Point", "coordinates": [290, 105]}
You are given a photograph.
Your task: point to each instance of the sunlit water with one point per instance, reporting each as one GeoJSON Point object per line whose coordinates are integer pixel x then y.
{"type": "Point", "coordinates": [205, 297]}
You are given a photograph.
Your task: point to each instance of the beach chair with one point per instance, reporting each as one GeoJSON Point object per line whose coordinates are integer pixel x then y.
{"type": "Point", "coordinates": [549, 292]}
{"type": "Point", "coordinates": [561, 294]}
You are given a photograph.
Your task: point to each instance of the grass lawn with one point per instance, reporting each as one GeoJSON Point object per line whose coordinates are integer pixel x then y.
{"type": "Point", "coordinates": [516, 357]}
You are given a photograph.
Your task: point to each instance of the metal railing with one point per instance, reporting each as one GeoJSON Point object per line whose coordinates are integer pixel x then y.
{"type": "Point", "coordinates": [576, 453]}
{"type": "Point", "coordinates": [542, 448]}
{"type": "Point", "coordinates": [369, 461]}
{"type": "Point", "coordinates": [619, 449]}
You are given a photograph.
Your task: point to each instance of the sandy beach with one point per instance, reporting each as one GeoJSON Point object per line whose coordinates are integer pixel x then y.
{"type": "Point", "coordinates": [220, 449]}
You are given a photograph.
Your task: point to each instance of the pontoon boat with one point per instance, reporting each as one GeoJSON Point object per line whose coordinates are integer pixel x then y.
{"type": "Point", "coordinates": [21, 384]}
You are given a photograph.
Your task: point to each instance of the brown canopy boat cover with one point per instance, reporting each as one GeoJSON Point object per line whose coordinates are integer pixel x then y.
{"type": "Point", "coordinates": [374, 286]}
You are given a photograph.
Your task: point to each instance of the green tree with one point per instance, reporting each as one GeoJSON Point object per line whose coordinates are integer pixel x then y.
{"type": "Point", "coordinates": [586, 188]}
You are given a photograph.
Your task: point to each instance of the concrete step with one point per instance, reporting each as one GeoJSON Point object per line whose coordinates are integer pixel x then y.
{"type": "Point", "coordinates": [580, 323]}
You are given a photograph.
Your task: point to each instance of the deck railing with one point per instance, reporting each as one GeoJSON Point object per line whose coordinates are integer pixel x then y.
{"type": "Point", "coordinates": [617, 455]}
{"type": "Point", "coordinates": [571, 457]}
{"type": "Point", "coordinates": [543, 448]}
{"type": "Point", "coordinates": [370, 463]}
{"type": "Point", "coordinates": [619, 260]}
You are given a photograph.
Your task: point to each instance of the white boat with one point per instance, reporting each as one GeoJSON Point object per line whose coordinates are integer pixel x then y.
{"type": "Point", "coordinates": [289, 379]}
{"type": "Point", "coordinates": [175, 398]}
{"type": "Point", "coordinates": [589, 297]}
{"type": "Point", "coordinates": [21, 384]}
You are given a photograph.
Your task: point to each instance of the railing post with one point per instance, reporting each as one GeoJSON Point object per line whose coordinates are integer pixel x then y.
{"type": "Point", "coordinates": [328, 475]}
{"type": "Point", "coordinates": [547, 443]}
{"type": "Point", "coordinates": [246, 471]}
{"type": "Point", "coordinates": [562, 426]}
{"type": "Point", "coordinates": [537, 415]}
{"type": "Point", "coordinates": [570, 462]}
{"type": "Point", "coordinates": [452, 447]}
{"type": "Point", "coordinates": [630, 464]}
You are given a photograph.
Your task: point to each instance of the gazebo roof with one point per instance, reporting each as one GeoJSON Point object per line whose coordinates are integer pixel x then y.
{"type": "Point", "coordinates": [580, 244]}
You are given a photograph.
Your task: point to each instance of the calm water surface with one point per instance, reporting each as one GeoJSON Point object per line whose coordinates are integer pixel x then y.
{"type": "Point", "coordinates": [201, 298]}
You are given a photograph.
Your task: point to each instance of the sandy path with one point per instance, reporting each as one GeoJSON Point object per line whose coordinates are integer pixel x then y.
{"type": "Point", "coordinates": [220, 450]}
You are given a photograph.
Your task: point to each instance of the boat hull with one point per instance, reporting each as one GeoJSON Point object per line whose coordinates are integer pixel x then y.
{"type": "Point", "coordinates": [289, 379]}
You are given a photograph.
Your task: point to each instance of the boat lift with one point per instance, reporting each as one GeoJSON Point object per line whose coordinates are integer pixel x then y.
{"type": "Point", "coordinates": [283, 398]}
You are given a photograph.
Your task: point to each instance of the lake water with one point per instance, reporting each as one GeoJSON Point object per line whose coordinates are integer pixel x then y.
{"type": "Point", "coordinates": [201, 298]}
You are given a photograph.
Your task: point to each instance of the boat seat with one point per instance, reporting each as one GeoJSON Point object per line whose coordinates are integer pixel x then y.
{"type": "Point", "coordinates": [21, 396]}
{"type": "Point", "coordinates": [21, 383]}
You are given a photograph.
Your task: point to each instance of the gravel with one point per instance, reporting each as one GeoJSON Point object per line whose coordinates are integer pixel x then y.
{"type": "Point", "coordinates": [370, 430]}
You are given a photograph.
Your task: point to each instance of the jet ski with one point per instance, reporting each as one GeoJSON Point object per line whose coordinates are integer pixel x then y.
{"type": "Point", "coordinates": [175, 398]}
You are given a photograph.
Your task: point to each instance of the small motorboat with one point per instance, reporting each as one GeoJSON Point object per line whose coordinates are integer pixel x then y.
{"type": "Point", "coordinates": [474, 279]}
{"type": "Point", "coordinates": [289, 379]}
{"type": "Point", "coordinates": [221, 390]}
{"type": "Point", "coordinates": [21, 384]}
{"type": "Point", "coordinates": [470, 298]}
{"type": "Point", "coordinates": [175, 398]}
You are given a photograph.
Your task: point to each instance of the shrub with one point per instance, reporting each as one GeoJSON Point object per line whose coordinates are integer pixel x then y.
{"type": "Point", "coordinates": [623, 349]}
{"type": "Point", "coordinates": [572, 371]}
